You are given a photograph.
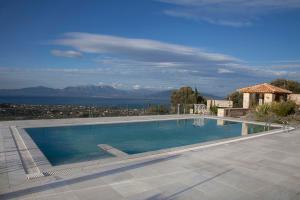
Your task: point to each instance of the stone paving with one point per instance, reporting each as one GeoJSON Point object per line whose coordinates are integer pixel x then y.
{"type": "Point", "coordinates": [267, 167]}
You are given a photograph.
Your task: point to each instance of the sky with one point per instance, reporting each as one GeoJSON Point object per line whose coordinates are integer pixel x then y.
{"type": "Point", "coordinates": [214, 45]}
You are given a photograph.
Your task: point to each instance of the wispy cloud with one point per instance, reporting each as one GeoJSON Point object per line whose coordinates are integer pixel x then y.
{"type": "Point", "coordinates": [139, 49]}
{"type": "Point", "coordinates": [132, 63]}
{"type": "Point", "coordinates": [136, 53]}
{"type": "Point", "coordinates": [143, 61]}
{"type": "Point", "coordinates": [144, 53]}
{"type": "Point", "coordinates": [224, 71]}
{"type": "Point", "coordinates": [67, 54]}
{"type": "Point", "coordinates": [235, 13]}
{"type": "Point", "coordinates": [136, 87]}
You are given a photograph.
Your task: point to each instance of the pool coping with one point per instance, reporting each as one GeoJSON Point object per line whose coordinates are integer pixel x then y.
{"type": "Point", "coordinates": [46, 168]}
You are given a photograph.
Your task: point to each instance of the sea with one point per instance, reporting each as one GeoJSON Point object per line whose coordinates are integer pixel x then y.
{"type": "Point", "coordinates": [85, 101]}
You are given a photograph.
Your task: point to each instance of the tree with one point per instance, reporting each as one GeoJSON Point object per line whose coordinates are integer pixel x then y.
{"type": "Point", "coordinates": [236, 98]}
{"type": "Point", "coordinates": [186, 95]}
{"type": "Point", "coordinates": [200, 98]}
{"type": "Point", "coordinates": [291, 85]}
{"type": "Point", "coordinates": [158, 109]}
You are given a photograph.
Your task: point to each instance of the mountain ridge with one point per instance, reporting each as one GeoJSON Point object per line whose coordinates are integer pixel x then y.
{"type": "Point", "coordinates": [102, 91]}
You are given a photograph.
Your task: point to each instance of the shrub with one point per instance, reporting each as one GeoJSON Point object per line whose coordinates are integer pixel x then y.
{"type": "Point", "coordinates": [158, 109]}
{"type": "Point", "coordinates": [263, 109]}
{"type": "Point", "coordinates": [283, 109]}
{"type": "Point", "coordinates": [275, 110]}
{"type": "Point", "coordinates": [214, 110]}
{"type": "Point", "coordinates": [262, 112]}
{"type": "Point", "coordinates": [236, 98]}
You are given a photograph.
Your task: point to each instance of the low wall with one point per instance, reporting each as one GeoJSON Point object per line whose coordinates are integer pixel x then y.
{"type": "Point", "coordinates": [232, 112]}
{"type": "Point", "coordinates": [219, 103]}
{"type": "Point", "coordinates": [295, 98]}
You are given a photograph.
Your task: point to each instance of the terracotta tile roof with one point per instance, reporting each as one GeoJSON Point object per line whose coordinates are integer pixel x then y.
{"type": "Point", "coordinates": [264, 88]}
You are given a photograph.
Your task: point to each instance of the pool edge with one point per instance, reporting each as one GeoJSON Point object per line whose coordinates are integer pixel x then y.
{"type": "Point", "coordinates": [48, 169]}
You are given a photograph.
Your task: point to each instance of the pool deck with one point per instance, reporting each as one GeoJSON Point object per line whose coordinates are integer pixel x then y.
{"type": "Point", "coordinates": [266, 167]}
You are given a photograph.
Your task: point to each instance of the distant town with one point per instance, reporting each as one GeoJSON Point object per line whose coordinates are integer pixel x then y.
{"type": "Point", "coordinates": [26, 112]}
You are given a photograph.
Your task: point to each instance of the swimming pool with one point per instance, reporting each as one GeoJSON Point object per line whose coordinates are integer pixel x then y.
{"type": "Point", "coordinates": [77, 143]}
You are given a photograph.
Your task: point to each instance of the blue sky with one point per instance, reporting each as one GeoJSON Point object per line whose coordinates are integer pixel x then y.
{"type": "Point", "coordinates": [215, 45]}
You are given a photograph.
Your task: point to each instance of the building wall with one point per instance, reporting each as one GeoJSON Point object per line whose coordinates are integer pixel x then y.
{"type": "Point", "coordinates": [219, 103]}
{"type": "Point", "coordinates": [246, 100]}
{"type": "Point", "coordinates": [236, 112]}
{"type": "Point", "coordinates": [221, 112]}
{"type": "Point", "coordinates": [232, 112]}
{"type": "Point", "coordinates": [269, 97]}
{"type": "Point", "coordinates": [295, 98]}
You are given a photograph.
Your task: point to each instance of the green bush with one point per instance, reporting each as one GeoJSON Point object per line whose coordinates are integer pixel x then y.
{"type": "Point", "coordinates": [236, 98]}
{"type": "Point", "coordinates": [275, 110]}
{"type": "Point", "coordinates": [263, 109]}
{"type": "Point", "coordinates": [284, 108]}
{"type": "Point", "coordinates": [263, 112]}
{"type": "Point", "coordinates": [158, 109]}
{"type": "Point", "coordinates": [214, 110]}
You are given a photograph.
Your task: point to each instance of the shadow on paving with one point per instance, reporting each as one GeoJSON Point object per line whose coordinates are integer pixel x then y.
{"type": "Point", "coordinates": [16, 164]}
{"type": "Point", "coordinates": [62, 183]}
{"type": "Point", "coordinates": [174, 196]}
{"type": "Point", "coordinates": [21, 150]}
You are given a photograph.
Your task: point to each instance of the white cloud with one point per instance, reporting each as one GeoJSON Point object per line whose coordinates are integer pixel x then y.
{"type": "Point", "coordinates": [117, 85]}
{"type": "Point", "coordinates": [286, 66]}
{"type": "Point", "coordinates": [136, 87]}
{"type": "Point", "coordinates": [140, 63]}
{"type": "Point", "coordinates": [224, 71]}
{"type": "Point", "coordinates": [67, 54]}
{"type": "Point", "coordinates": [135, 61]}
{"type": "Point", "coordinates": [132, 54]}
{"type": "Point", "coordinates": [139, 49]}
{"type": "Point", "coordinates": [235, 13]}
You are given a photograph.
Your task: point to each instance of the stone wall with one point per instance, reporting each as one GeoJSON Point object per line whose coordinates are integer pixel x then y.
{"type": "Point", "coordinates": [295, 98]}
{"type": "Point", "coordinates": [246, 100]}
{"type": "Point", "coordinates": [232, 112]}
{"type": "Point", "coordinates": [269, 97]}
{"type": "Point", "coordinates": [219, 103]}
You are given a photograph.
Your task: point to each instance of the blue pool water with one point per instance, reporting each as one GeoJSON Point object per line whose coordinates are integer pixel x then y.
{"type": "Point", "coordinates": [69, 144]}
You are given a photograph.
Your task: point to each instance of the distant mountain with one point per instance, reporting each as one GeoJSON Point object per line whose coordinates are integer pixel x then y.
{"type": "Point", "coordinates": [31, 91]}
{"type": "Point", "coordinates": [103, 91]}
{"type": "Point", "coordinates": [165, 94]}
{"type": "Point", "coordinates": [82, 91]}
{"type": "Point", "coordinates": [210, 96]}
{"type": "Point", "coordinates": [94, 91]}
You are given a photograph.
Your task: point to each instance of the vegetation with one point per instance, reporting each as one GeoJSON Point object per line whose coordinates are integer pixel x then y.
{"type": "Point", "coordinates": [275, 110]}
{"type": "Point", "coordinates": [291, 85]}
{"type": "Point", "coordinates": [158, 110]}
{"type": "Point", "coordinates": [237, 99]}
{"type": "Point", "coordinates": [214, 110]}
{"type": "Point", "coordinates": [186, 95]}
{"type": "Point", "coordinates": [263, 112]}
{"type": "Point", "coordinates": [284, 108]}
{"type": "Point", "coordinates": [200, 98]}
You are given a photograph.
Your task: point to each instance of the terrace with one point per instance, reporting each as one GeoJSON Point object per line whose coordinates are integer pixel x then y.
{"type": "Point", "coordinates": [262, 167]}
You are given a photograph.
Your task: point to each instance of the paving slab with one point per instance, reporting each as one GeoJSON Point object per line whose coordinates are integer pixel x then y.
{"type": "Point", "coordinates": [105, 193]}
